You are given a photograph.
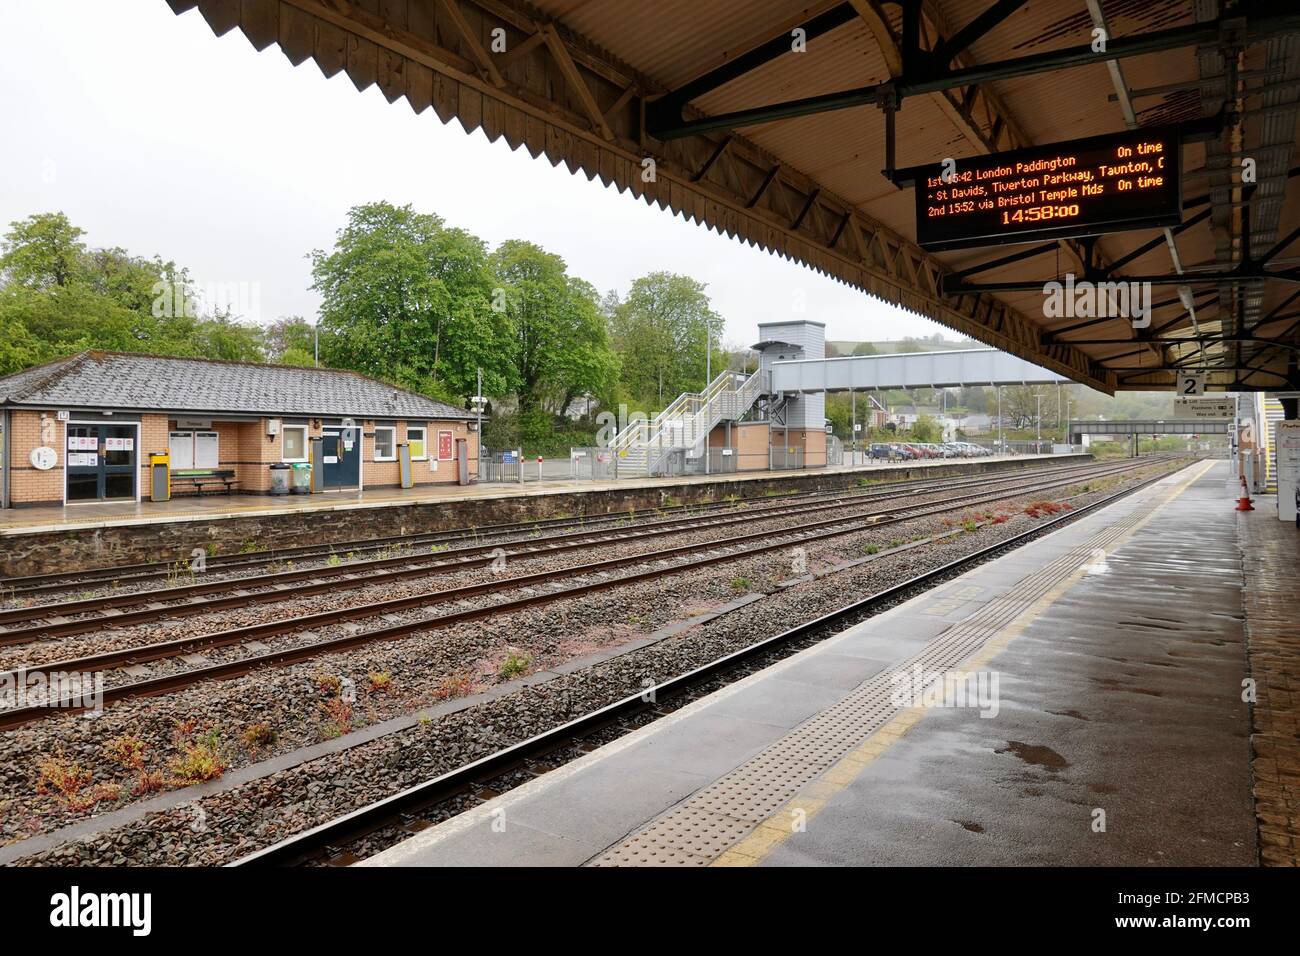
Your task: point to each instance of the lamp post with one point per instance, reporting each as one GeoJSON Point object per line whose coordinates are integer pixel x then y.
{"type": "Point", "coordinates": [479, 401]}
{"type": "Point", "coordinates": [478, 405]}
{"type": "Point", "coordinates": [1038, 427]}
{"type": "Point", "coordinates": [1001, 446]}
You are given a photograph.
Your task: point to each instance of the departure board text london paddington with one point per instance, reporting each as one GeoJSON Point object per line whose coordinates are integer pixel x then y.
{"type": "Point", "coordinates": [1110, 183]}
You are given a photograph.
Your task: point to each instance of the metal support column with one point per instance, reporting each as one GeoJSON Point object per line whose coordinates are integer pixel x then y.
{"type": "Point", "coordinates": [1001, 445]}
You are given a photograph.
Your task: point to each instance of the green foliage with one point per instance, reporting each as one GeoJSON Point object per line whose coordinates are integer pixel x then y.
{"type": "Point", "coordinates": [558, 345]}
{"type": "Point", "coordinates": [290, 340]}
{"type": "Point", "coordinates": [57, 297]}
{"type": "Point", "coordinates": [660, 332]}
{"type": "Point", "coordinates": [926, 429]}
{"type": "Point", "coordinates": [537, 433]}
{"type": "Point", "coordinates": [515, 664]}
{"type": "Point", "coordinates": [408, 300]}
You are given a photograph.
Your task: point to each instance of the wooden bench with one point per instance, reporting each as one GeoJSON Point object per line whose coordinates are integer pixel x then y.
{"type": "Point", "coordinates": [199, 481]}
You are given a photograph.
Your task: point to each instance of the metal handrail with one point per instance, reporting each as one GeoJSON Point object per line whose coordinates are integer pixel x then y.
{"type": "Point", "coordinates": [687, 421]}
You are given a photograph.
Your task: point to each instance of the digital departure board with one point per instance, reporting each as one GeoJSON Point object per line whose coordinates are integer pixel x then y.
{"type": "Point", "coordinates": [1103, 184]}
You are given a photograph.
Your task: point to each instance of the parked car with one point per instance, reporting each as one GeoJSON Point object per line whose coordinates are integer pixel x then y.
{"type": "Point", "coordinates": [879, 450]}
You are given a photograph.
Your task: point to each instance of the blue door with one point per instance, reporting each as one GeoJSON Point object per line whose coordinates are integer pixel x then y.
{"type": "Point", "coordinates": [101, 462]}
{"type": "Point", "coordinates": [341, 448]}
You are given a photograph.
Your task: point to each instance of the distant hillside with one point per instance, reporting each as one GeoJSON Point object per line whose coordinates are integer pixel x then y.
{"type": "Point", "coordinates": [845, 347]}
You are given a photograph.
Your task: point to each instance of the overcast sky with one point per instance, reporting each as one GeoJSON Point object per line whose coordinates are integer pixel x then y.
{"type": "Point", "coordinates": [152, 134]}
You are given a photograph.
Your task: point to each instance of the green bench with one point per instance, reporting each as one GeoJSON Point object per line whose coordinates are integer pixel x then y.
{"type": "Point", "coordinates": [198, 481]}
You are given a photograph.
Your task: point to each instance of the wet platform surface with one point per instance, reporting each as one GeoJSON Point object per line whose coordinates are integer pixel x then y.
{"type": "Point", "coordinates": [1112, 655]}
{"type": "Point", "coordinates": [44, 518]}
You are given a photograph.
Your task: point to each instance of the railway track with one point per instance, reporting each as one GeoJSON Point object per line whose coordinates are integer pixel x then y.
{"type": "Point", "coordinates": [44, 621]}
{"type": "Point", "coordinates": [419, 806]}
{"type": "Point", "coordinates": [658, 565]}
{"type": "Point", "coordinates": [30, 586]}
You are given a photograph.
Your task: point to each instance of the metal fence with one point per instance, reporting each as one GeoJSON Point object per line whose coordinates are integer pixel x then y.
{"type": "Point", "coordinates": [511, 467]}
{"type": "Point", "coordinates": [498, 466]}
{"type": "Point", "coordinates": [546, 469]}
{"type": "Point", "coordinates": [675, 462]}
{"type": "Point", "coordinates": [595, 464]}
{"type": "Point", "coordinates": [781, 458]}
{"type": "Point", "coordinates": [604, 464]}
{"type": "Point", "coordinates": [834, 452]}
{"type": "Point", "coordinates": [1017, 447]}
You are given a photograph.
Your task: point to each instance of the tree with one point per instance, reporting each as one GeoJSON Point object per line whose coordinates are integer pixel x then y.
{"type": "Point", "coordinates": [865, 348]}
{"type": "Point", "coordinates": [43, 252]}
{"type": "Point", "coordinates": [926, 429]}
{"type": "Point", "coordinates": [1020, 403]}
{"type": "Point", "coordinates": [974, 398]}
{"type": "Point", "coordinates": [290, 340]}
{"type": "Point", "coordinates": [557, 341]}
{"type": "Point", "coordinates": [407, 299]}
{"type": "Point", "coordinates": [57, 296]}
{"type": "Point", "coordinates": [660, 331]}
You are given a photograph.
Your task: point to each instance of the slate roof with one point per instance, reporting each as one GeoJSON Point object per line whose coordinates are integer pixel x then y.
{"type": "Point", "coordinates": [136, 382]}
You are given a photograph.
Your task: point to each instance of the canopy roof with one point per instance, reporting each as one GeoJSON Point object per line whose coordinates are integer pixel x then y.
{"type": "Point", "coordinates": [706, 108]}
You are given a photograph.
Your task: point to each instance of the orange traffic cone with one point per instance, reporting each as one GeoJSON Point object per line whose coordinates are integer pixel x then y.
{"type": "Point", "coordinates": [1243, 503]}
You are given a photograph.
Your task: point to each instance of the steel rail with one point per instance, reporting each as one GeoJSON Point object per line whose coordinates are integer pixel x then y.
{"type": "Point", "coordinates": [286, 585]}
{"type": "Point", "coordinates": [18, 716]}
{"type": "Point", "coordinates": [337, 833]}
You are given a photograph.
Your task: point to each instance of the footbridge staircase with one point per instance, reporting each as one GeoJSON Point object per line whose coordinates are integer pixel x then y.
{"type": "Point", "coordinates": [645, 447]}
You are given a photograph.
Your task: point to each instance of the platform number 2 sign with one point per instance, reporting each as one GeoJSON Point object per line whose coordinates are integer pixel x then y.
{"type": "Point", "coordinates": [1191, 385]}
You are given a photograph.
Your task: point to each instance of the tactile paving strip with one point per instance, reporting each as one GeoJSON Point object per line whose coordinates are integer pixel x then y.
{"type": "Point", "coordinates": [706, 824]}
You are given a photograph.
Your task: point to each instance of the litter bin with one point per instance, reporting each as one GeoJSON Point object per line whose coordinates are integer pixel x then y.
{"type": "Point", "coordinates": [280, 479]}
{"type": "Point", "coordinates": [160, 472]}
{"type": "Point", "coordinates": [301, 479]}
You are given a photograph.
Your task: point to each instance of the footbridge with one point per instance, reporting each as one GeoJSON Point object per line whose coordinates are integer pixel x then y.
{"type": "Point", "coordinates": [1139, 427]}
{"type": "Point", "coordinates": [787, 392]}
{"type": "Point", "coordinates": [956, 369]}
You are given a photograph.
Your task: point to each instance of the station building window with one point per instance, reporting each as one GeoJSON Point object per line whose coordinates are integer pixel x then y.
{"type": "Point", "coordinates": [295, 443]}
{"type": "Point", "coordinates": [415, 437]}
{"type": "Point", "coordinates": [385, 443]}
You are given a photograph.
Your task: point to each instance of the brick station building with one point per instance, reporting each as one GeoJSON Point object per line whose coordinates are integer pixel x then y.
{"type": "Point", "coordinates": [81, 429]}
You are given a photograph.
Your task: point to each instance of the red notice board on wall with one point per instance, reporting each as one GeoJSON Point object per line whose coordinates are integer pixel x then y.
{"type": "Point", "coordinates": [444, 446]}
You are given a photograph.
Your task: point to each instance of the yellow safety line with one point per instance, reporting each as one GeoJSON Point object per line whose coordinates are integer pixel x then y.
{"type": "Point", "coordinates": [779, 827]}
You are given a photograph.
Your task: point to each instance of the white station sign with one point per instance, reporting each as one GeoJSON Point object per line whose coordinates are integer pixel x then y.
{"type": "Point", "coordinates": [1204, 409]}
{"type": "Point", "coordinates": [1288, 469]}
